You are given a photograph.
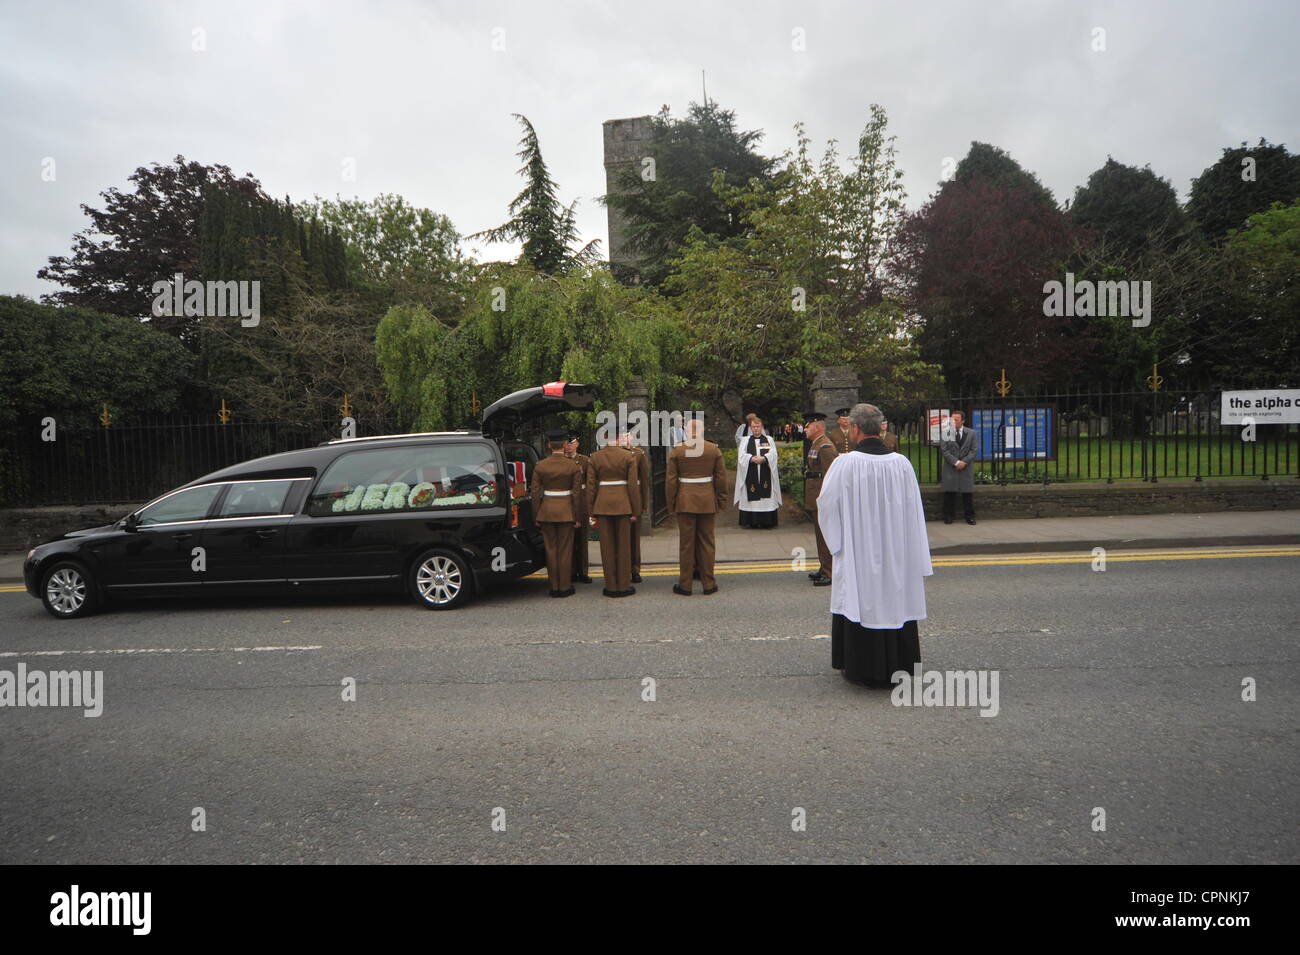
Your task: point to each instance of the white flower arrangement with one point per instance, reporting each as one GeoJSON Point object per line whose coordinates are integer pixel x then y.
{"type": "Point", "coordinates": [374, 498]}
{"type": "Point", "coordinates": [455, 499]}
{"type": "Point", "coordinates": [352, 501]}
{"type": "Point", "coordinates": [396, 496]}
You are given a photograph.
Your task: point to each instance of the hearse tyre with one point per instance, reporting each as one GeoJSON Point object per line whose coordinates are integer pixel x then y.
{"type": "Point", "coordinates": [69, 590]}
{"type": "Point", "coordinates": [441, 579]}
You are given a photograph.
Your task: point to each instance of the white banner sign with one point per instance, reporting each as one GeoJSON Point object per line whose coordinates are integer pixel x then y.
{"type": "Point", "coordinates": [940, 425]}
{"type": "Point", "coordinates": [1268, 406]}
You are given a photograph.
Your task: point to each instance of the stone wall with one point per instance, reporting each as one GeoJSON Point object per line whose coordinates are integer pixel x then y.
{"type": "Point", "coordinates": [23, 528]}
{"type": "Point", "coordinates": [1086, 499]}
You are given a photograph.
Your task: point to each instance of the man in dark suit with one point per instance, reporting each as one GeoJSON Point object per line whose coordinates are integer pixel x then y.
{"type": "Point", "coordinates": [959, 450]}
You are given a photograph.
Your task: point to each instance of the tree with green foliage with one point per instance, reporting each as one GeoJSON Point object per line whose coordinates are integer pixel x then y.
{"type": "Point", "coordinates": [806, 286]}
{"type": "Point", "coordinates": [141, 236]}
{"type": "Point", "coordinates": [66, 362]}
{"type": "Point", "coordinates": [975, 259]}
{"type": "Point", "coordinates": [689, 155]}
{"type": "Point", "coordinates": [1129, 208]}
{"type": "Point", "coordinates": [398, 253]}
{"type": "Point", "coordinates": [995, 167]}
{"type": "Point", "coordinates": [523, 328]}
{"type": "Point", "coordinates": [1253, 337]}
{"type": "Point", "coordinates": [1245, 180]}
{"type": "Point", "coordinates": [546, 227]}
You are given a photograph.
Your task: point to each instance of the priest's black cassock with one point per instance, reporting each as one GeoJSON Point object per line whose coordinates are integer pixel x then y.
{"type": "Point", "coordinates": [872, 518]}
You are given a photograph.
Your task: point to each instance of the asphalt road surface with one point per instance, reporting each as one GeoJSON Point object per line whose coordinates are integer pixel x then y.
{"type": "Point", "coordinates": [1118, 690]}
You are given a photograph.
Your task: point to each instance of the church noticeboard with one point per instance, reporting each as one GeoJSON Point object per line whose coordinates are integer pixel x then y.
{"type": "Point", "coordinates": [1021, 433]}
{"type": "Point", "coordinates": [1267, 406]}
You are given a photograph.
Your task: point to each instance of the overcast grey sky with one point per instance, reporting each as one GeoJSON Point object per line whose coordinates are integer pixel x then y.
{"type": "Point", "coordinates": [415, 93]}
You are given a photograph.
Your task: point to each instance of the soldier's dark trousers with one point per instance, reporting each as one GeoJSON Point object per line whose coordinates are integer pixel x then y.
{"type": "Point", "coordinates": [636, 545]}
{"type": "Point", "coordinates": [695, 549]}
{"type": "Point", "coordinates": [823, 552]}
{"type": "Point", "coordinates": [950, 504]}
{"type": "Point", "coordinates": [558, 539]}
{"type": "Point", "coordinates": [615, 551]}
{"type": "Point", "coordinates": [579, 547]}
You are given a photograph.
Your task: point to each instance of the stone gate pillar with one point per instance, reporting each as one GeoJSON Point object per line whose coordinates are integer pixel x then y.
{"type": "Point", "coordinates": [637, 398]}
{"type": "Point", "coordinates": [835, 387]}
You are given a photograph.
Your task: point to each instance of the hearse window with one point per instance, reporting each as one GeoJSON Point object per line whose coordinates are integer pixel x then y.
{"type": "Point", "coordinates": [189, 505]}
{"type": "Point", "coordinates": [255, 498]}
{"type": "Point", "coordinates": [421, 477]}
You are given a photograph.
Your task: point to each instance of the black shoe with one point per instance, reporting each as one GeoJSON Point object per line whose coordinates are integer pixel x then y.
{"type": "Point", "coordinates": [629, 592]}
{"type": "Point", "coordinates": [679, 590]}
{"type": "Point", "coordinates": [611, 593]}
{"type": "Point", "coordinates": [582, 579]}
{"type": "Point", "coordinates": [822, 582]}
{"type": "Point", "coordinates": [970, 520]}
{"type": "Point", "coordinates": [565, 593]}
{"type": "Point", "coordinates": [814, 575]}
{"type": "Point", "coordinates": [636, 578]}
{"type": "Point", "coordinates": [947, 520]}
{"type": "Point", "coordinates": [711, 590]}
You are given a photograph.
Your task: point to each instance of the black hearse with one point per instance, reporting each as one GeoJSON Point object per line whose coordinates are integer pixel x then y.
{"type": "Point", "coordinates": [432, 514]}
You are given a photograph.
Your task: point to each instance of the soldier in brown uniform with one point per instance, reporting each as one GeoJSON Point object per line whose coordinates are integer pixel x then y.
{"type": "Point", "coordinates": [581, 536]}
{"type": "Point", "coordinates": [643, 481]}
{"type": "Point", "coordinates": [839, 435]}
{"type": "Point", "coordinates": [560, 509]}
{"type": "Point", "coordinates": [614, 499]}
{"type": "Point", "coordinates": [696, 487]}
{"type": "Point", "coordinates": [888, 437]}
{"type": "Point", "coordinates": [821, 452]}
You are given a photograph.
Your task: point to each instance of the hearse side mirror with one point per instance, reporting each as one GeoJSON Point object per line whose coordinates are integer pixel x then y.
{"type": "Point", "coordinates": [131, 522]}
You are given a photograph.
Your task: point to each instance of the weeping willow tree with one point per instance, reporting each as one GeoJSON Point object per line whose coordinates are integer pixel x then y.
{"type": "Point", "coordinates": [523, 328]}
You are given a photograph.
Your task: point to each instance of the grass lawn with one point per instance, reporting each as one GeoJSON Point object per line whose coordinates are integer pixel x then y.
{"type": "Point", "coordinates": [1094, 459]}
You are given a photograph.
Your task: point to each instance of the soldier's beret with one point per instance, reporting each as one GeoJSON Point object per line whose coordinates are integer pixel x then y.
{"type": "Point", "coordinates": [558, 435]}
{"type": "Point", "coordinates": [811, 416]}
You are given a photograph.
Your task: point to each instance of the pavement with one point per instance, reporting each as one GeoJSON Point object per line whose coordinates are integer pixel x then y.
{"type": "Point", "coordinates": [1008, 536]}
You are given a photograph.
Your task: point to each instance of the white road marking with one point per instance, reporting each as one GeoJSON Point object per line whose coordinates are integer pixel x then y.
{"type": "Point", "coordinates": [132, 652]}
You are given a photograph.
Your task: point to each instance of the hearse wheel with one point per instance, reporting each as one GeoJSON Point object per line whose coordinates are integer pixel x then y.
{"type": "Point", "coordinates": [441, 580]}
{"type": "Point", "coordinates": [68, 590]}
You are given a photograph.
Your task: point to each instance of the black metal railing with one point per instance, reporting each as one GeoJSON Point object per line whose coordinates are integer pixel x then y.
{"type": "Point", "coordinates": [121, 463]}
{"type": "Point", "coordinates": [1071, 435]}
{"type": "Point", "coordinates": [1095, 435]}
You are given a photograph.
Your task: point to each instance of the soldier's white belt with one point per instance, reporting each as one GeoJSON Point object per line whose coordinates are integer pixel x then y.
{"type": "Point", "coordinates": [611, 483]}
{"type": "Point", "coordinates": [703, 480]}
{"type": "Point", "coordinates": [557, 493]}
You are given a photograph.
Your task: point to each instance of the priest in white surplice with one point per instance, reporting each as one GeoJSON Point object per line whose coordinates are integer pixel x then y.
{"type": "Point", "coordinates": [758, 483]}
{"type": "Point", "coordinates": [871, 516]}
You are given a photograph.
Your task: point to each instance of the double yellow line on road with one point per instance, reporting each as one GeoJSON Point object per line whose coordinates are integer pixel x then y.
{"type": "Point", "coordinates": [972, 560]}
{"type": "Point", "coordinates": [997, 560]}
